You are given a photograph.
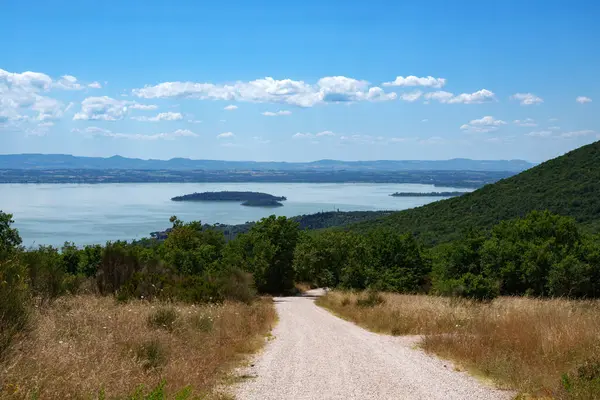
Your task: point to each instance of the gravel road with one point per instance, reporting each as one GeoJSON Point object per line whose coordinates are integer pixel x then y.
{"type": "Point", "coordinates": [315, 355]}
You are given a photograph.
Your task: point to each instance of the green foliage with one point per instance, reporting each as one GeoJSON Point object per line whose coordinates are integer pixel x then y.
{"type": "Point", "coordinates": [584, 381]}
{"type": "Point", "coordinates": [267, 252]}
{"type": "Point", "coordinates": [163, 318]}
{"type": "Point", "coordinates": [9, 237]}
{"type": "Point", "coordinates": [567, 185]}
{"type": "Point", "coordinates": [47, 275]}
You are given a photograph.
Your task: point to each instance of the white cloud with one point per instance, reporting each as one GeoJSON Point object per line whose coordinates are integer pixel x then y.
{"type": "Point", "coordinates": [583, 100]}
{"type": "Point", "coordinates": [230, 107]}
{"type": "Point", "coordinates": [311, 135]}
{"type": "Point", "coordinates": [539, 133]}
{"type": "Point", "coordinates": [95, 131]}
{"type": "Point", "coordinates": [108, 109]}
{"type": "Point", "coordinates": [413, 96]}
{"type": "Point", "coordinates": [68, 82]}
{"type": "Point", "coordinates": [269, 90]}
{"type": "Point", "coordinates": [483, 125]}
{"type": "Point", "coordinates": [276, 113]}
{"type": "Point", "coordinates": [554, 128]}
{"type": "Point", "coordinates": [138, 106]}
{"type": "Point", "coordinates": [95, 85]}
{"type": "Point", "coordinates": [412, 80]}
{"type": "Point", "coordinates": [165, 116]}
{"type": "Point", "coordinates": [225, 135]}
{"type": "Point", "coordinates": [102, 108]}
{"type": "Point", "coordinates": [481, 96]}
{"type": "Point", "coordinates": [46, 124]}
{"type": "Point", "coordinates": [572, 134]}
{"type": "Point", "coordinates": [194, 121]}
{"type": "Point", "coordinates": [527, 122]}
{"type": "Point", "coordinates": [325, 133]}
{"type": "Point", "coordinates": [527, 99]}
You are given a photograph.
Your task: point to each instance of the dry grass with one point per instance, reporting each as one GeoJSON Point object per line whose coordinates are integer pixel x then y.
{"type": "Point", "coordinates": [83, 345]}
{"type": "Point", "coordinates": [521, 343]}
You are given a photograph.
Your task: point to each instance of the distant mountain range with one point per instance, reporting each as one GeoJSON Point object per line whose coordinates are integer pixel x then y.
{"type": "Point", "coordinates": [65, 161]}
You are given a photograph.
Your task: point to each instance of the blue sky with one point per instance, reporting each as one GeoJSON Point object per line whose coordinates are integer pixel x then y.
{"type": "Point", "coordinates": [297, 81]}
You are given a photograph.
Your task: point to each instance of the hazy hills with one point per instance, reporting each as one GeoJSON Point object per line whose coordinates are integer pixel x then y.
{"type": "Point", "coordinates": [64, 161]}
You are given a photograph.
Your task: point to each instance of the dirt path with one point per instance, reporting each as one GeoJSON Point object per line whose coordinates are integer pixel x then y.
{"type": "Point", "coordinates": [315, 355]}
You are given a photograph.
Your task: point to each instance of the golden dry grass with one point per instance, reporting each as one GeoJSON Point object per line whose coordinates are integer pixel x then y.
{"type": "Point", "coordinates": [82, 345]}
{"type": "Point", "coordinates": [520, 343]}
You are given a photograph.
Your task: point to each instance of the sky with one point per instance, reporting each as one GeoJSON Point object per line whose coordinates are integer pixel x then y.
{"type": "Point", "coordinates": [300, 80]}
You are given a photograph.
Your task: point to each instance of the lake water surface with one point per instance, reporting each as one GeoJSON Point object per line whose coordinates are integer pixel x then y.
{"type": "Point", "coordinates": [85, 214]}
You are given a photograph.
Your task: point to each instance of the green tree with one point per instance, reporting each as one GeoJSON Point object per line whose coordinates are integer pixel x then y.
{"type": "Point", "coordinates": [9, 237]}
{"type": "Point", "coordinates": [267, 252]}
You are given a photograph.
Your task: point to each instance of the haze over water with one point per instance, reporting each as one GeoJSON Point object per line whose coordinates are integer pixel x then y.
{"type": "Point", "coordinates": [51, 214]}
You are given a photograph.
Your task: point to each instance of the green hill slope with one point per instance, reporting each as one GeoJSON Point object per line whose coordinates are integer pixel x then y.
{"type": "Point", "coordinates": [567, 185]}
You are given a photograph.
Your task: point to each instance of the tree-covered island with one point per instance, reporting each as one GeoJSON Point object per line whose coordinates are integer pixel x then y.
{"type": "Point", "coordinates": [255, 199]}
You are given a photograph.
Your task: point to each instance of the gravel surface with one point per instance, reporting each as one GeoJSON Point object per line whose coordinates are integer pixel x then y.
{"type": "Point", "coordinates": [315, 355]}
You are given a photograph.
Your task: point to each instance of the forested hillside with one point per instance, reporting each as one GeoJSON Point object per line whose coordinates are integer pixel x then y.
{"type": "Point", "coordinates": [568, 185]}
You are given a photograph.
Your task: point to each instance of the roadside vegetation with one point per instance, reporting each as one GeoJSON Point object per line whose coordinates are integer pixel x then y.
{"type": "Point", "coordinates": [543, 348]}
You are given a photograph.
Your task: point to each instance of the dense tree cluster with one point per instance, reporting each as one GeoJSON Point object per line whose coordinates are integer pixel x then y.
{"type": "Point", "coordinates": [542, 254]}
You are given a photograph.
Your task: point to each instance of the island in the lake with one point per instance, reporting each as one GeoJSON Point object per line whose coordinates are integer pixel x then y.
{"type": "Point", "coordinates": [252, 199]}
{"type": "Point", "coordinates": [428, 194]}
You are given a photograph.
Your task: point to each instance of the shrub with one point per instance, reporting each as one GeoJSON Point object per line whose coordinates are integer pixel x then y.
{"type": "Point", "coordinates": [151, 354]}
{"type": "Point", "coordinates": [470, 286]}
{"type": "Point", "coordinates": [372, 299]}
{"type": "Point", "coordinates": [163, 317]}
{"type": "Point", "coordinates": [202, 322]}
{"type": "Point", "coordinates": [584, 381]}
{"type": "Point", "coordinates": [47, 275]}
{"type": "Point", "coordinates": [237, 285]}
{"type": "Point", "coordinates": [14, 302]}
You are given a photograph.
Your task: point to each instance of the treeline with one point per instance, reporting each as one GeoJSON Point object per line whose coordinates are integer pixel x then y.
{"type": "Point", "coordinates": [427, 194]}
{"type": "Point", "coordinates": [539, 255]}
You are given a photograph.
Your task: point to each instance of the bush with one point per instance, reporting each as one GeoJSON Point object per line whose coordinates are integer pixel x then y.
{"type": "Point", "coordinates": [202, 322]}
{"type": "Point", "coordinates": [584, 381]}
{"type": "Point", "coordinates": [372, 299]}
{"type": "Point", "coordinates": [47, 275]}
{"type": "Point", "coordinates": [163, 317]}
{"type": "Point", "coordinates": [14, 302]}
{"type": "Point", "coordinates": [151, 354]}
{"type": "Point", "coordinates": [237, 285]}
{"type": "Point", "coordinates": [470, 286]}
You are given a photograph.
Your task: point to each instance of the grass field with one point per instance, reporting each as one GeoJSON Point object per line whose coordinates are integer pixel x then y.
{"type": "Point", "coordinates": [89, 347]}
{"type": "Point", "coordinates": [541, 348]}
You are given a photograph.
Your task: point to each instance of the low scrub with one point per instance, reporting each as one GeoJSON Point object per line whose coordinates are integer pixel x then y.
{"type": "Point", "coordinates": [96, 347]}
{"type": "Point", "coordinates": [539, 347]}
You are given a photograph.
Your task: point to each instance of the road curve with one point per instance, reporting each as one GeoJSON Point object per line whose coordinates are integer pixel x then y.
{"type": "Point", "coordinates": [315, 355]}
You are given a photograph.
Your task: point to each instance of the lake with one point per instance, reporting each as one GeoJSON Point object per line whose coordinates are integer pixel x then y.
{"type": "Point", "coordinates": [51, 214]}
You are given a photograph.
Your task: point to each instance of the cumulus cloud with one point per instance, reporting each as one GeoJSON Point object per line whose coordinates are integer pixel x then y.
{"type": "Point", "coordinates": [165, 116]}
{"type": "Point", "coordinates": [527, 122]}
{"type": "Point", "coordinates": [428, 81]}
{"type": "Point", "coordinates": [527, 99]}
{"type": "Point", "coordinates": [583, 100]}
{"type": "Point", "coordinates": [95, 131]}
{"type": "Point", "coordinates": [413, 96]}
{"type": "Point", "coordinates": [230, 107]}
{"type": "Point", "coordinates": [580, 133]}
{"type": "Point", "coordinates": [276, 113]}
{"type": "Point", "coordinates": [95, 85]}
{"type": "Point", "coordinates": [108, 109]}
{"type": "Point", "coordinates": [21, 96]}
{"type": "Point", "coordinates": [225, 135]}
{"type": "Point", "coordinates": [481, 96]}
{"type": "Point", "coordinates": [483, 125]}
{"type": "Point", "coordinates": [269, 90]}
{"type": "Point", "coordinates": [539, 134]}
{"type": "Point", "coordinates": [68, 82]}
